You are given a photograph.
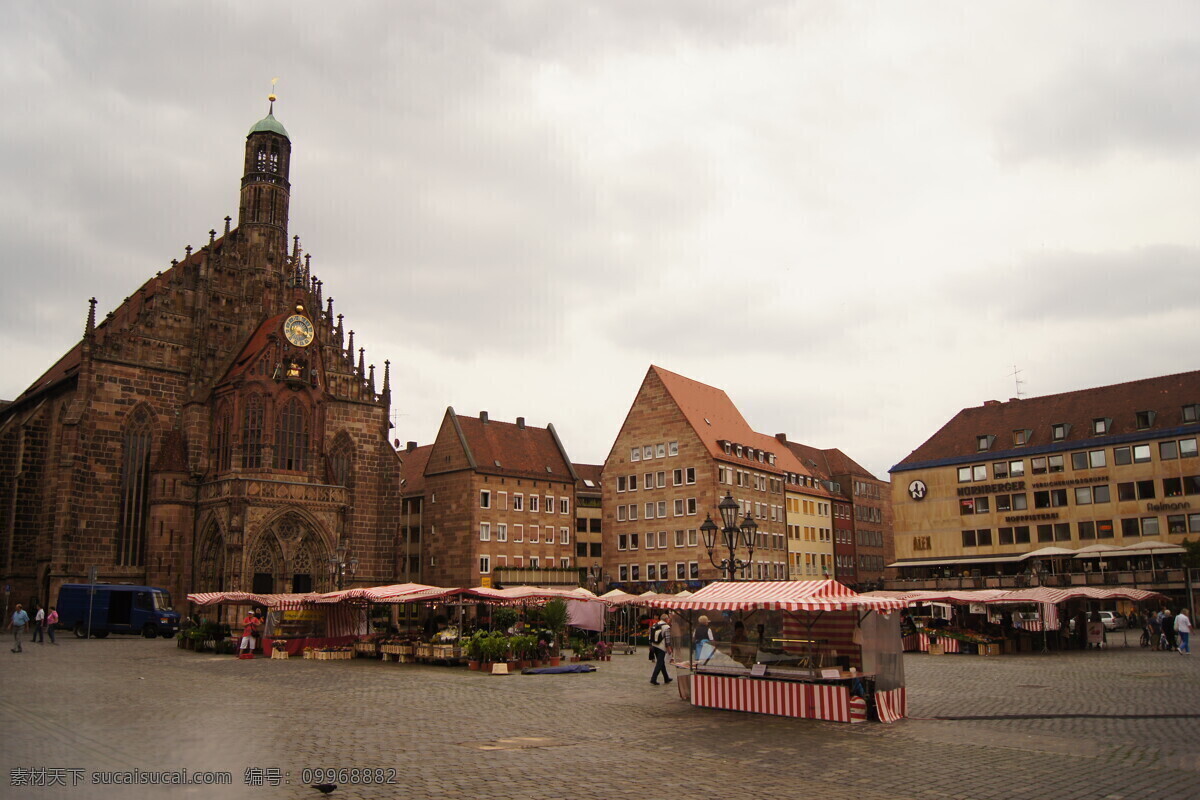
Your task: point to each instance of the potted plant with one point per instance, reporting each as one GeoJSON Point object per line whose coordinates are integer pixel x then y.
{"type": "Point", "coordinates": [554, 614]}
{"type": "Point", "coordinates": [475, 647]}
{"type": "Point", "coordinates": [504, 618]}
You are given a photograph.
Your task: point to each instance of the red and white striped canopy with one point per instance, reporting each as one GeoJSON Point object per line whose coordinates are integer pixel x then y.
{"type": "Point", "coordinates": [781, 596]}
{"type": "Point", "coordinates": [530, 594]}
{"type": "Point", "coordinates": [394, 593]}
{"type": "Point", "coordinates": [1036, 594]}
{"type": "Point", "coordinates": [251, 599]}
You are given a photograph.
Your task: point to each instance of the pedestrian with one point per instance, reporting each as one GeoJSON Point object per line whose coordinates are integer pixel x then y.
{"type": "Point", "coordinates": [51, 621]}
{"type": "Point", "coordinates": [660, 646]}
{"type": "Point", "coordinates": [1183, 627]}
{"type": "Point", "coordinates": [249, 631]}
{"type": "Point", "coordinates": [18, 622]}
{"type": "Point", "coordinates": [1168, 628]}
{"type": "Point", "coordinates": [701, 636]}
{"type": "Point", "coordinates": [1154, 623]}
{"type": "Point", "coordinates": [39, 624]}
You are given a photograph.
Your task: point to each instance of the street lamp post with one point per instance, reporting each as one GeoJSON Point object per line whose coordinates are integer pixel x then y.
{"type": "Point", "coordinates": [733, 535]}
{"type": "Point", "coordinates": [342, 564]}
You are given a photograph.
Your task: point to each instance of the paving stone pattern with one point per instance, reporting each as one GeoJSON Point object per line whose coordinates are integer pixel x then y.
{"type": "Point", "coordinates": [1121, 723]}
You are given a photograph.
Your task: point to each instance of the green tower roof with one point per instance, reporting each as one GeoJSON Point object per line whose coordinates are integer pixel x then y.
{"type": "Point", "coordinates": [269, 124]}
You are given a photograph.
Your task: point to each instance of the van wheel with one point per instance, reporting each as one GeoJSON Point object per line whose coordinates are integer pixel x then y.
{"type": "Point", "coordinates": [149, 631]}
{"type": "Point", "coordinates": [80, 630]}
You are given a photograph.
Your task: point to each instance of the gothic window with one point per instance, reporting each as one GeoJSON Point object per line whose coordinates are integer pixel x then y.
{"type": "Point", "coordinates": [341, 462]}
{"type": "Point", "coordinates": [291, 437]}
{"type": "Point", "coordinates": [222, 447]}
{"type": "Point", "coordinates": [252, 433]}
{"type": "Point", "coordinates": [268, 160]}
{"type": "Point", "coordinates": [211, 572]}
{"type": "Point", "coordinates": [263, 566]}
{"type": "Point", "coordinates": [303, 572]}
{"type": "Point", "coordinates": [135, 486]}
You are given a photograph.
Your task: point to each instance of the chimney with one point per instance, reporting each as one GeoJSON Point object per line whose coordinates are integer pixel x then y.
{"type": "Point", "coordinates": [782, 437]}
{"type": "Point", "coordinates": [411, 446]}
{"type": "Point", "coordinates": [521, 423]}
{"type": "Point", "coordinates": [483, 417]}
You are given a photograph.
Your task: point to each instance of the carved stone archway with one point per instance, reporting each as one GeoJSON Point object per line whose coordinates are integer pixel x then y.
{"type": "Point", "coordinates": [210, 561]}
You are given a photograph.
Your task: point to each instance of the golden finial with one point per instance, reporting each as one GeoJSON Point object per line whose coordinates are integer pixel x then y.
{"type": "Point", "coordinates": [271, 96]}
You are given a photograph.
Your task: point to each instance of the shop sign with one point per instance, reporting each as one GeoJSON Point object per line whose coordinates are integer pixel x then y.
{"type": "Point", "coordinates": [1182, 506]}
{"type": "Point", "coordinates": [917, 490]}
{"type": "Point", "coordinates": [922, 543]}
{"type": "Point", "coordinates": [1070, 482]}
{"type": "Point", "coordinates": [988, 488]}
{"type": "Point", "coordinates": [1032, 517]}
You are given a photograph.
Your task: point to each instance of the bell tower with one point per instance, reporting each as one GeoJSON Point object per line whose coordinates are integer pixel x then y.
{"type": "Point", "coordinates": [263, 211]}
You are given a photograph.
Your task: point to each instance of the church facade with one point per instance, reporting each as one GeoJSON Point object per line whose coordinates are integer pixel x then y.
{"type": "Point", "coordinates": [216, 431]}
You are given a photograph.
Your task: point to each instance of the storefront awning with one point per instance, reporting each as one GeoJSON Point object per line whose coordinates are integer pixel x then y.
{"type": "Point", "coordinates": [965, 562]}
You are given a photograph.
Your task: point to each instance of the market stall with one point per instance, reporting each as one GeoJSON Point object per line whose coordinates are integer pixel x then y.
{"type": "Point", "coordinates": [820, 651]}
{"type": "Point", "coordinates": [294, 622]}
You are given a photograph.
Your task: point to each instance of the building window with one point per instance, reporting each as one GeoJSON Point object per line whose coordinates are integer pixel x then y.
{"type": "Point", "coordinates": [999, 471]}
{"type": "Point", "coordinates": [660, 451]}
{"type": "Point", "coordinates": [564, 505]}
{"type": "Point", "coordinates": [518, 502]}
{"type": "Point", "coordinates": [564, 535]}
{"type": "Point", "coordinates": [1087, 530]}
{"type": "Point", "coordinates": [252, 433]}
{"type": "Point", "coordinates": [662, 479]}
{"type": "Point", "coordinates": [1141, 453]}
{"type": "Point", "coordinates": [1100, 426]}
{"type": "Point", "coordinates": [485, 531]}
{"type": "Point", "coordinates": [1058, 431]}
{"type": "Point", "coordinates": [534, 502]}
{"type": "Point", "coordinates": [135, 491]}
{"type": "Point", "coordinates": [485, 565]}
{"type": "Point", "coordinates": [968, 538]}
{"type": "Point", "coordinates": [1057, 463]}
{"type": "Point", "coordinates": [620, 513]}
{"type": "Point", "coordinates": [633, 541]}
{"type": "Point", "coordinates": [1191, 412]}
{"type": "Point", "coordinates": [621, 483]}
{"type": "Point", "coordinates": [1145, 419]}
{"type": "Point", "coordinates": [1020, 438]}
{"type": "Point", "coordinates": [633, 479]}
{"type": "Point", "coordinates": [1130, 527]}
{"type": "Point", "coordinates": [222, 447]}
{"type": "Point", "coordinates": [622, 541]}
{"type": "Point", "coordinates": [693, 570]}
{"type": "Point", "coordinates": [647, 452]}
{"type": "Point", "coordinates": [635, 572]}
{"type": "Point", "coordinates": [677, 477]}
{"type": "Point", "coordinates": [635, 454]}
{"type": "Point", "coordinates": [1038, 465]}
{"type": "Point", "coordinates": [501, 532]}
{"type": "Point", "coordinates": [984, 442]}
{"type": "Point", "coordinates": [662, 509]}
{"type": "Point", "coordinates": [633, 512]}
{"type": "Point", "coordinates": [691, 506]}
{"type": "Point", "coordinates": [1150, 526]}
{"type": "Point", "coordinates": [679, 508]}
{"type": "Point", "coordinates": [291, 437]}
{"type": "Point", "coordinates": [1168, 451]}
{"type": "Point", "coordinates": [689, 474]}
{"type": "Point", "coordinates": [1062, 531]}
{"type": "Point", "coordinates": [1016, 469]}
{"type": "Point", "coordinates": [623, 572]}
{"type": "Point", "coordinates": [485, 498]}
{"type": "Point", "coordinates": [673, 448]}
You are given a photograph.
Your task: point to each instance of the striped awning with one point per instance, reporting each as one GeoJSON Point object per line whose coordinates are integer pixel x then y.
{"type": "Point", "coordinates": [515, 595]}
{"type": "Point", "coordinates": [781, 596]}
{"type": "Point", "coordinates": [284, 601]}
{"type": "Point", "coordinates": [1036, 594]}
{"type": "Point", "coordinates": [394, 593]}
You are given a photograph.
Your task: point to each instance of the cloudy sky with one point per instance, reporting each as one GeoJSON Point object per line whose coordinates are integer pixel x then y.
{"type": "Point", "coordinates": [857, 219]}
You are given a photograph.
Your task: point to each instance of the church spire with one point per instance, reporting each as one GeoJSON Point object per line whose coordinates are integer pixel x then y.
{"type": "Point", "coordinates": [263, 211]}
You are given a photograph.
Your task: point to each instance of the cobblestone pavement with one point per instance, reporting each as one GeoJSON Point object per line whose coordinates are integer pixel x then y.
{"type": "Point", "coordinates": [1120, 723]}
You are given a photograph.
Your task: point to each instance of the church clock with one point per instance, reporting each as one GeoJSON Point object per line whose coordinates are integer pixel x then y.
{"type": "Point", "coordinates": [299, 330]}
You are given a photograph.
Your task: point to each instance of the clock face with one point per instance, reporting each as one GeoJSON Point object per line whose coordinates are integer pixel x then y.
{"type": "Point", "coordinates": [298, 330]}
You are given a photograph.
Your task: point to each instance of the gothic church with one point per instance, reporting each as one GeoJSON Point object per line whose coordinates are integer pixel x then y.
{"type": "Point", "coordinates": [216, 431]}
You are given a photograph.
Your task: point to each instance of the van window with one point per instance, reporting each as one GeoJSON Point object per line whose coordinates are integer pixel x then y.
{"type": "Point", "coordinates": [162, 601]}
{"type": "Point", "coordinates": [142, 601]}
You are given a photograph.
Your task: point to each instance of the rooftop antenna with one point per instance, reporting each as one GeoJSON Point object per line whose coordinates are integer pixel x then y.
{"type": "Point", "coordinates": [1017, 381]}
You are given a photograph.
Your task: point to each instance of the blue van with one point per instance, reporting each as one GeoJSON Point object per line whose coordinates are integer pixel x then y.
{"type": "Point", "coordinates": [117, 608]}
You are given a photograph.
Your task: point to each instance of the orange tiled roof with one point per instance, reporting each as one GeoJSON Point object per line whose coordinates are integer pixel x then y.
{"type": "Point", "coordinates": [957, 440]}
{"type": "Point", "coordinates": [412, 469]}
{"type": "Point", "coordinates": [503, 448]}
{"type": "Point", "coordinates": [716, 419]}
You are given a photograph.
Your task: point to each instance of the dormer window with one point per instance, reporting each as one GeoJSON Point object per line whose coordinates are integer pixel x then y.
{"type": "Point", "coordinates": [738, 450]}
{"type": "Point", "coordinates": [1191, 413]}
{"type": "Point", "coordinates": [984, 441]}
{"type": "Point", "coordinates": [1101, 426]}
{"type": "Point", "coordinates": [1145, 419]}
{"type": "Point", "coordinates": [728, 448]}
{"type": "Point", "coordinates": [1059, 431]}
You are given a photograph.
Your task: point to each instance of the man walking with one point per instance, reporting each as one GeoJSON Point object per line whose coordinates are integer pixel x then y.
{"type": "Point", "coordinates": [1183, 627]}
{"type": "Point", "coordinates": [39, 624]}
{"type": "Point", "coordinates": [660, 646]}
{"type": "Point", "coordinates": [18, 622]}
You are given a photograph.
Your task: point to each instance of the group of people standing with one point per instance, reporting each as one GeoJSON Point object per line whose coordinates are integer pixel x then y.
{"type": "Point", "coordinates": [43, 625]}
{"type": "Point", "coordinates": [1166, 630]}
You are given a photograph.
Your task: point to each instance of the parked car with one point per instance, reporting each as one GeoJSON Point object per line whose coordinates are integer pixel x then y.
{"type": "Point", "coordinates": [116, 608]}
{"type": "Point", "coordinates": [1111, 619]}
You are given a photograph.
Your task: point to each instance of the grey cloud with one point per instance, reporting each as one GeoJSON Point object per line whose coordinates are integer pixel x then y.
{"type": "Point", "coordinates": [1141, 100]}
{"type": "Point", "coordinates": [1072, 287]}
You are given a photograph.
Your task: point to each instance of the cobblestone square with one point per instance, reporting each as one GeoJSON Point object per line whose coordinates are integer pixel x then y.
{"type": "Point", "coordinates": [1120, 723]}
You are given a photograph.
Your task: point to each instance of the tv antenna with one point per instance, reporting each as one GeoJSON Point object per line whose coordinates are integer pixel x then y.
{"type": "Point", "coordinates": [1017, 381]}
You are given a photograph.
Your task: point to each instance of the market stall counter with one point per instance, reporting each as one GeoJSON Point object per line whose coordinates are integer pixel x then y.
{"type": "Point", "coordinates": [821, 651]}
